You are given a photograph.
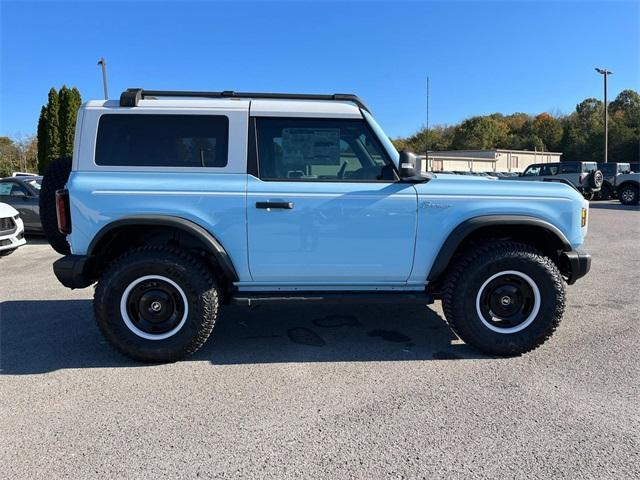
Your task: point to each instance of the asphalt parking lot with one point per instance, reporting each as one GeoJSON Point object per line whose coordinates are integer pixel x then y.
{"type": "Point", "coordinates": [330, 392]}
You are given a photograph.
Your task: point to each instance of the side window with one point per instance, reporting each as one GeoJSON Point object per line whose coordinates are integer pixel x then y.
{"type": "Point", "coordinates": [608, 168]}
{"type": "Point", "coordinates": [309, 149]}
{"type": "Point", "coordinates": [141, 140]}
{"type": "Point", "coordinates": [18, 190]}
{"type": "Point", "coordinates": [532, 170]}
{"type": "Point", "coordinates": [569, 167]}
{"type": "Point", "coordinates": [5, 188]}
{"type": "Point", "coordinates": [549, 170]}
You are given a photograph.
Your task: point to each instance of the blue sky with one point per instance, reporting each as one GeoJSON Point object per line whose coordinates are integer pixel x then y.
{"type": "Point", "coordinates": [482, 57]}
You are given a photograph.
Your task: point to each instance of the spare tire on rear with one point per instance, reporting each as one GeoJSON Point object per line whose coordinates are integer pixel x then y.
{"type": "Point", "coordinates": [595, 179]}
{"type": "Point", "coordinates": [55, 178]}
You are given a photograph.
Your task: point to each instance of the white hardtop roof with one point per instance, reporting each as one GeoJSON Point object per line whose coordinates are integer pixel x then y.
{"type": "Point", "coordinates": [294, 108]}
{"type": "Point", "coordinates": [259, 107]}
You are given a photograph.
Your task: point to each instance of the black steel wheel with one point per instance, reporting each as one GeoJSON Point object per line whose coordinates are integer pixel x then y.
{"type": "Point", "coordinates": [508, 301]}
{"type": "Point", "coordinates": [154, 307]}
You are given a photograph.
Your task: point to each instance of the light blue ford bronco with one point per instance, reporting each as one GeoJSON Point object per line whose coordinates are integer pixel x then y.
{"type": "Point", "coordinates": [177, 202]}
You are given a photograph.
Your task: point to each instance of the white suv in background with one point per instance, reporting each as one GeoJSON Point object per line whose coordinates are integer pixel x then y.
{"type": "Point", "coordinates": [11, 230]}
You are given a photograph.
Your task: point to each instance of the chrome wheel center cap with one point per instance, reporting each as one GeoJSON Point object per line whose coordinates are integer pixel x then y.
{"type": "Point", "coordinates": [156, 306]}
{"type": "Point", "coordinates": [505, 300]}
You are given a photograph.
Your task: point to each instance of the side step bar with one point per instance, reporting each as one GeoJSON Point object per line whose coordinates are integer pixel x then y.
{"type": "Point", "coordinates": [253, 299]}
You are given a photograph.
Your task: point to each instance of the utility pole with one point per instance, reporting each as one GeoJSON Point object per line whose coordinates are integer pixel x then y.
{"type": "Point", "coordinates": [604, 72]}
{"type": "Point", "coordinates": [103, 63]}
{"type": "Point", "coordinates": [426, 153]}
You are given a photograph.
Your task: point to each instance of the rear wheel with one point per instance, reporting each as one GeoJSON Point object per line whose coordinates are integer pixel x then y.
{"type": "Point", "coordinates": [156, 304]}
{"type": "Point", "coordinates": [504, 298]}
{"type": "Point", "coordinates": [605, 193]}
{"type": "Point", "coordinates": [628, 194]}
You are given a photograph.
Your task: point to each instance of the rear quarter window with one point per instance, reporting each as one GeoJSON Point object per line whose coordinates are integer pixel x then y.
{"type": "Point", "coordinates": [141, 140]}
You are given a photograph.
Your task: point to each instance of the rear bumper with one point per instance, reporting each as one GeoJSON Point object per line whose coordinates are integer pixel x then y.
{"type": "Point", "coordinates": [71, 271]}
{"type": "Point", "coordinates": [576, 265]}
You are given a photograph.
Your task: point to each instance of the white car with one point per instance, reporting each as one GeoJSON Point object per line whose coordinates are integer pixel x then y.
{"type": "Point", "coordinates": [11, 230]}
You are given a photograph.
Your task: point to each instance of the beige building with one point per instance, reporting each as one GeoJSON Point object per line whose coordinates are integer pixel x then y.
{"type": "Point", "coordinates": [498, 160]}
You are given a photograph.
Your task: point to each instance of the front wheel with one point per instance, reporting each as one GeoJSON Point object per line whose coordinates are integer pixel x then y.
{"type": "Point", "coordinates": [504, 298]}
{"type": "Point", "coordinates": [156, 304]}
{"type": "Point", "coordinates": [628, 195]}
{"type": "Point", "coordinates": [588, 195]}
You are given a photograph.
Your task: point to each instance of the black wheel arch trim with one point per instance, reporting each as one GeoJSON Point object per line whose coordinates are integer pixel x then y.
{"type": "Point", "coordinates": [463, 230]}
{"type": "Point", "coordinates": [628, 183]}
{"type": "Point", "coordinates": [214, 247]}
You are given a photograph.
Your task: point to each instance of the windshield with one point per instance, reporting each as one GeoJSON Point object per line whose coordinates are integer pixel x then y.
{"type": "Point", "coordinates": [386, 143]}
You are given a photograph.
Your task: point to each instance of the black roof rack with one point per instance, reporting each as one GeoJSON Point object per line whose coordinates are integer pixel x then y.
{"type": "Point", "coordinates": [131, 96]}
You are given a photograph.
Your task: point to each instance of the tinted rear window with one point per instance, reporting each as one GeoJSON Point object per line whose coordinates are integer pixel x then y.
{"type": "Point", "coordinates": [140, 140]}
{"type": "Point", "coordinates": [570, 167]}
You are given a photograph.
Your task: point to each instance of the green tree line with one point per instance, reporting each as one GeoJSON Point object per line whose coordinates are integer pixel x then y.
{"type": "Point", "coordinates": [18, 155]}
{"type": "Point", "coordinates": [578, 135]}
{"type": "Point", "coordinates": [56, 125]}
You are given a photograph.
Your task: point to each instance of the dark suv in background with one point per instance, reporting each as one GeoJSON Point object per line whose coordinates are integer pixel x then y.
{"type": "Point", "coordinates": [610, 171]}
{"type": "Point", "coordinates": [583, 176]}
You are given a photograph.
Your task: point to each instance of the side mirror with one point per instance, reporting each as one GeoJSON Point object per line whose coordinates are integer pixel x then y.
{"type": "Point", "coordinates": [410, 165]}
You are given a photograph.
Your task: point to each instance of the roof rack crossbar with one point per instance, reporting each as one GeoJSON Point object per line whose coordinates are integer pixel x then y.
{"type": "Point", "coordinates": [131, 96]}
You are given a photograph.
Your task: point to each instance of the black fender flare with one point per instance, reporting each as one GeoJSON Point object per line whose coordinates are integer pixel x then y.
{"type": "Point", "coordinates": [212, 245]}
{"type": "Point", "coordinates": [462, 231]}
{"type": "Point", "coordinates": [628, 182]}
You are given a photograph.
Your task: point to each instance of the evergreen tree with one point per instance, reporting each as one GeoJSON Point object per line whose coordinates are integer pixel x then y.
{"type": "Point", "coordinates": [69, 104]}
{"type": "Point", "coordinates": [42, 140]}
{"type": "Point", "coordinates": [63, 116]}
{"type": "Point", "coordinates": [53, 128]}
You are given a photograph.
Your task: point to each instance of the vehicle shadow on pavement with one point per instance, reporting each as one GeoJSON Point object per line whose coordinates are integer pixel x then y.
{"type": "Point", "coordinates": [36, 239]}
{"type": "Point", "coordinates": [613, 206]}
{"type": "Point", "coordinates": [332, 333]}
{"type": "Point", "coordinates": [49, 335]}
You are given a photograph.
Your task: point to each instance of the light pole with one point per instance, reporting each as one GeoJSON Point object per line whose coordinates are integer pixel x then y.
{"type": "Point", "coordinates": [605, 73]}
{"type": "Point", "coordinates": [426, 147]}
{"type": "Point", "coordinates": [103, 63]}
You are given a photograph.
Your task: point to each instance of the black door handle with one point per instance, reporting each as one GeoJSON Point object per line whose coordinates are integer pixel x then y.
{"type": "Point", "coordinates": [285, 205]}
